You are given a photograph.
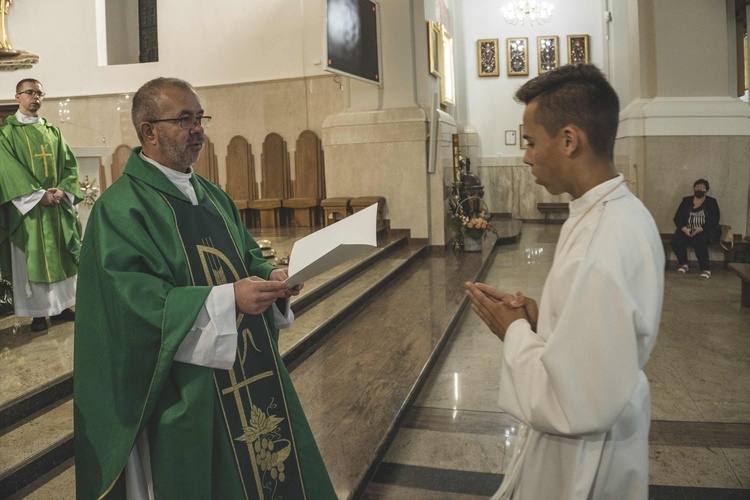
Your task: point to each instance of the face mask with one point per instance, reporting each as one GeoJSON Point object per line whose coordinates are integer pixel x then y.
{"type": "Point", "coordinates": [699, 194]}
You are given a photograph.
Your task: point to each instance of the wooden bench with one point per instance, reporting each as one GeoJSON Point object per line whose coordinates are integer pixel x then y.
{"type": "Point", "coordinates": [739, 246]}
{"type": "Point", "coordinates": [550, 208]}
{"type": "Point", "coordinates": [743, 272]}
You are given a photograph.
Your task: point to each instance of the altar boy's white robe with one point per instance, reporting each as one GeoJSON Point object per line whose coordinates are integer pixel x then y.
{"type": "Point", "coordinates": [578, 382]}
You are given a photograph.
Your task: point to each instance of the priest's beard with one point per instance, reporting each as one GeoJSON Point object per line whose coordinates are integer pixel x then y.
{"type": "Point", "coordinates": [178, 154]}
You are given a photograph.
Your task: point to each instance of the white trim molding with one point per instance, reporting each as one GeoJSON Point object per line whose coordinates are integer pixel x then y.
{"type": "Point", "coordinates": [685, 116]}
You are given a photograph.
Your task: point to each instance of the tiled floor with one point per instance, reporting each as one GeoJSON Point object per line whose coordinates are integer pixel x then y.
{"type": "Point", "coordinates": [451, 443]}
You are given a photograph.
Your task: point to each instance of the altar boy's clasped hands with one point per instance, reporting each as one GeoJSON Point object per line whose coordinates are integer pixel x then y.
{"type": "Point", "coordinates": [499, 309]}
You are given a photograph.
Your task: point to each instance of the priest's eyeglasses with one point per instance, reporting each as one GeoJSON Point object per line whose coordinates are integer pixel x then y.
{"type": "Point", "coordinates": [32, 93]}
{"type": "Point", "coordinates": [187, 122]}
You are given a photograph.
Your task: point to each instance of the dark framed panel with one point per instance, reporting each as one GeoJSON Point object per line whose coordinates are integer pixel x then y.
{"type": "Point", "coordinates": [488, 63]}
{"type": "Point", "coordinates": [548, 53]}
{"type": "Point", "coordinates": [518, 56]}
{"type": "Point", "coordinates": [578, 49]}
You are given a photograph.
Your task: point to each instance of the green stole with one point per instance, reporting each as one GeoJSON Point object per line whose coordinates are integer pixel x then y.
{"type": "Point", "coordinates": [251, 394]}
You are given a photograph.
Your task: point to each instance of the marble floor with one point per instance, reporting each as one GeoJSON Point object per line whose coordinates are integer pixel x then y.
{"type": "Point", "coordinates": [452, 441]}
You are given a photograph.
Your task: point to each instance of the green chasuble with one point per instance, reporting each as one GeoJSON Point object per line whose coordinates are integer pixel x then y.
{"type": "Point", "coordinates": [148, 264]}
{"type": "Point", "coordinates": [34, 157]}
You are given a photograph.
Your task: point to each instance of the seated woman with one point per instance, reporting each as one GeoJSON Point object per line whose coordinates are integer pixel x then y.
{"type": "Point", "coordinates": [697, 222]}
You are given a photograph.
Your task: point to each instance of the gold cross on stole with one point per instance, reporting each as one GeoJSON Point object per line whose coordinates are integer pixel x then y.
{"type": "Point", "coordinates": [44, 159]}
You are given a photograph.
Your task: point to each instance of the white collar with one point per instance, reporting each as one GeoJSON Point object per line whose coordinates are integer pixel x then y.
{"type": "Point", "coordinates": [181, 180]}
{"type": "Point", "coordinates": [28, 120]}
{"type": "Point", "coordinates": [591, 196]}
{"type": "Point", "coordinates": [172, 174]}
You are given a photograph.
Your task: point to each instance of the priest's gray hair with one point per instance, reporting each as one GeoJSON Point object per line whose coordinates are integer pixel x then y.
{"type": "Point", "coordinates": [147, 102]}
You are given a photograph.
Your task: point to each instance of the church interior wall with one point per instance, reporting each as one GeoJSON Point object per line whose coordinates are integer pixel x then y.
{"type": "Point", "coordinates": [257, 68]}
{"type": "Point", "coordinates": [205, 43]}
{"type": "Point", "coordinates": [490, 107]}
{"type": "Point", "coordinates": [252, 110]}
{"type": "Point", "coordinates": [675, 78]}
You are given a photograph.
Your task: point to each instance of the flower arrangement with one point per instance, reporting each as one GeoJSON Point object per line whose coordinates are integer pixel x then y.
{"type": "Point", "coordinates": [471, 220]}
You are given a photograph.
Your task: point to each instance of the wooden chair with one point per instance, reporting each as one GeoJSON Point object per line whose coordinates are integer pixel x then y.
{"type": "Point", "coordinates": [335, 209]}
{"type": "Point", "coordinates": [119, 159]}
{"type": "Point", "coordinates": [274, 185]}
{"type": "Point", "coordinates": [241, 186]}
{"type": "Point", "coordinates": [309, 186]}
{"type": "Point", "coordinates": [207, 165]}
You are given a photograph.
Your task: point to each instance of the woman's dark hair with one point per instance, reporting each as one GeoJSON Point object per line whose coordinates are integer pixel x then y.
{"type": "Point", "coordinates": [701, 181]}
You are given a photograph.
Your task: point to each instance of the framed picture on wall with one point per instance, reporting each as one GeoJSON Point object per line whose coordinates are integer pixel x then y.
{"type": "Point", "coordinates": [521, 140]}
{"type": "Point", "coordinates": [518, 56]}
{"type": "Point", "coordinates": [510, 137]}
{"type": "Point", "coordinates": [547, 54]}
{"type": "Point", "coordinates": [447, 82]}
{"type": "Point", "coordinates": [487, 63]}
{"type": "Point", "coordinates": [578, 49]}
{"type": "Point", "coordinates": [435, 41]}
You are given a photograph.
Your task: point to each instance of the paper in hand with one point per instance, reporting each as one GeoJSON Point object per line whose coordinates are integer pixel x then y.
{"type": "Point", "coordinates": [333, 245]}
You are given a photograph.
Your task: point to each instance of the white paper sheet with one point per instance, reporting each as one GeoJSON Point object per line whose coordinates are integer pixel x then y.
{"type": "Point", "coordinates": [333, 245]}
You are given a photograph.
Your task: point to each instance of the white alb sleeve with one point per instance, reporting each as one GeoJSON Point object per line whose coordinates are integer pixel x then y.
{"type": "Point", "coordinates": [283, 319]}
{"type": "Point", "coordinates": [212, 341]}
{"type": "Point", "coordinates": [69, 198]}
{"type": "Point", "coordinates": [28, 201]}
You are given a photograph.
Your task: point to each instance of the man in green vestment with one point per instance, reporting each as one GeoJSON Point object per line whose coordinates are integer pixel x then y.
{"type": "Point", "coordinates": [180, 391]}
{"type": "Point", "coordinates": [39, 237]}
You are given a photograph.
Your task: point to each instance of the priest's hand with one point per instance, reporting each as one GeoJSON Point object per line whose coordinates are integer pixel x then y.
{"type": "Point", "coordinates": [495, 307]}
{"type": "Point", "coordinates": [254, 295]}
{"type": "Point", "coordinates": [282, 275]}
{"type": "Point", "coordinates": [50, 197]}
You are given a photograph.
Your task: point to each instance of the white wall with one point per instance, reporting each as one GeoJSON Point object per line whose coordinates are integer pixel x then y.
{"type": "Point", "coordinates": [206, 43]}
{"type": "Point", "coordinates": [123, 43]}
{"type": "Point", "coordinates": [489, 105]}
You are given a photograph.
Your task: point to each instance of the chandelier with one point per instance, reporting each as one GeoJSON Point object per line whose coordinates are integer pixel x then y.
{"type": "Point", "coordinates": [516, 11]}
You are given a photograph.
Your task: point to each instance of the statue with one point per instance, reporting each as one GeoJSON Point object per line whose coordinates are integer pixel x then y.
{"type": "Point", "coordinates": [10, 58]}
{"type": "Point", "coordinates": [5, 47]}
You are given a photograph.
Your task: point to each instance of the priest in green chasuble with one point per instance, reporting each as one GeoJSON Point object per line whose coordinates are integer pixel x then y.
{"type": "Point", "coordinates": [39, 238]}
{"type": "Point", "coordinates": [180, 391]}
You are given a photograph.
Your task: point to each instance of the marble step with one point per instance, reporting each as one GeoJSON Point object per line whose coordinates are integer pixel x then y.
{"type": "Point", "coordinates": [35, 445]}
{"type": "Point", "coordinates": [330, 310]}
{"type": "Point", "coordinates": [332, 279]}
{"type": "Point", "coordinates": [58, 484]}
{"type": "Point", "coordinates": [309, 329]}
{"type": "Point", "coordinates": [357, 384]}
{"type": "Point", "coordinates": [36, 368]}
